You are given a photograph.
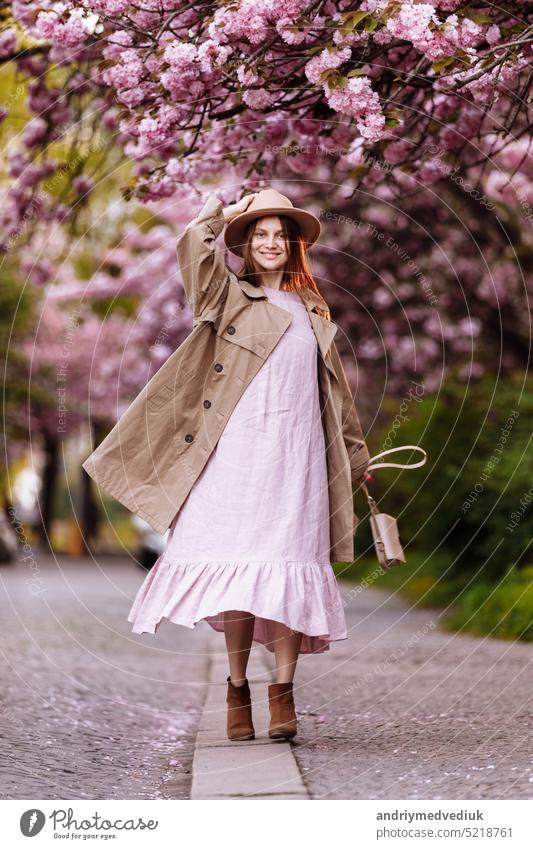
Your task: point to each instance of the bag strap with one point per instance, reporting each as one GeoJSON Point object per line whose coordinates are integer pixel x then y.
{"type": "Point", "coordinates": [397, 465]}
{"type": "Point", "coordinates": [371, 503]}
{"type": "Point", "coordinates": [373, 506]}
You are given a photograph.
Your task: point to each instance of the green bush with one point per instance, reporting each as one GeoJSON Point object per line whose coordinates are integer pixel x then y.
{"type": "Point", "coordinates": [466, 517]}
{"type": "Point", "coordinates": [424, 579]}
{"type": "Point", "coordinates": [504, 610]}
{"type": "Point", "coordinates": [461, 503]}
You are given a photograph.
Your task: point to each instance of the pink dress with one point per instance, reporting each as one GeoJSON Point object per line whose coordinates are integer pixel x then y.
{"type": "Point", "coordinates": [253, 533]}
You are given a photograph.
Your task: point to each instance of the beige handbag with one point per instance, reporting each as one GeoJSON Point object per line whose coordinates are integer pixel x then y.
{"type": "Point", "coordinates": [384, 527]}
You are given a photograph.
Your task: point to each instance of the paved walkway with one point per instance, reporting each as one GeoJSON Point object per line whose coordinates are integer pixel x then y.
{"type": "Point", "coordinates": [400, 710]}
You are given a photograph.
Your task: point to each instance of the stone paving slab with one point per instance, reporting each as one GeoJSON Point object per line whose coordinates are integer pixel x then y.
{"type": "Point", "coordinates": [248, 769]}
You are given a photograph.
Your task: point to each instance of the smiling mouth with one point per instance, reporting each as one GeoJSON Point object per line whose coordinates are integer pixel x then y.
{"type": "Point", "coordinates": [271, 256]}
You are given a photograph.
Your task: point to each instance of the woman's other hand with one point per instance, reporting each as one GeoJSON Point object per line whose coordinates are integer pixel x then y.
{"type": "Point", "coordinates": [234, 209]}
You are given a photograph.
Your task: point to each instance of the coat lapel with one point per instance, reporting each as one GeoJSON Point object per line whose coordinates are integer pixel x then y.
{"type": "Point", "coordinates": [324, 329]}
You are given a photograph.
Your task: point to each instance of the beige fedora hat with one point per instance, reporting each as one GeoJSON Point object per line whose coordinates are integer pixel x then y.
{"type": "Point", "coordinates": [269, 202]}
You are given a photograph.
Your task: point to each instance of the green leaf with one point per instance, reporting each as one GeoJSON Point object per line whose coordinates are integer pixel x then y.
{"type": "Point", "coordinates": [359, 16]}
{"type": "Point", "coordinates": [370, 26]}
{"type": "Point", "coordinates": [442, 63]}
{"type": "Point", "coordinates": [464, 58]}
{"type": "Point", "coordinates": [330, 76]}
{"type": "Point", "coordinates": [328, 72]}
{"type": "Point", "coordinates": [351, 20]}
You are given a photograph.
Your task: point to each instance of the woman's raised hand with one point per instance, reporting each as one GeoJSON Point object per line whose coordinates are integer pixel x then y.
{"type": "Point", "coordinates": [234, 209]}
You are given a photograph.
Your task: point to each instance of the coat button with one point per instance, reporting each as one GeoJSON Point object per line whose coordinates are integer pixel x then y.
{"type": "Point", "coordinates": [189, 437]}
{"type": "Point", "coordinates": [218, 366]}
{"type": "Point", "coordinates": [207, 404]}
{"type": "Point", "coordinates": [231, 329]}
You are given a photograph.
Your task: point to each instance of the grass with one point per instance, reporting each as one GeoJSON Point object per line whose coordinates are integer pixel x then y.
{"type": "Point", "coordinates": [503, 609]}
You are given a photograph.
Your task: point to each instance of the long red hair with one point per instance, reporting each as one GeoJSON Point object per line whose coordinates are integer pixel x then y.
{"type": "Point", "coordinates": [297, 274]}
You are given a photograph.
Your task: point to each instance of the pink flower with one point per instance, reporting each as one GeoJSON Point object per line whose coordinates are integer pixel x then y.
{"type": "Point", "coordinates": [17, 164]}
{"type": "Point", "coordinates": [258, 98]}
{"type": "Point", "coordinates": [493, 35]}
{"type": "Point", "coordinates": [350, 39]}
{"type": "Point", "coordinates": [355, 153]}
{"type": "Point", "coordinates": [110, 7]}
{"type": "Point", "coordinates": [116, 42]}
{"type": "Point", "coordinates": [432, 171]}
{"type": "Point", "coordinates": [181, 56]}
{"type": "Point", "coordinates": [246, 76]}
{"type": "Point", "coordinates": [69, 34]}
{"type": "Point", "coordinates": [447, 5]}
{"type": "Point", "coordinates": [289, 33]}
{"type": "Point", "coordinates": [82, 185]}
{"type": "Point", "coordinates": [357, 99]}
{"type": "Point", "coordinates": [412, 23]}
{"type": "Point", "coordinates": [35, 132]}
{"type": "Point", "coordinates": [211, 55]}
{"type": "Point", "coordinates": [326, 60]}
{"type": "Point", "coordinates": [450, 137]}
{"type": "Point", "coordinates": [8, 42]}
{"type": "Point", "coordinates": [470, 33]}
{"type": "Point", "coordinates": [397, 151]}
{"type": "Point", "coordinates": [248, 20]}
{"type": "Point", "coordinates": [151, 132]}
{"type": "Point", "coordinates": [154, 190]}
{"type": "Point", "coordinates": [126, 73]}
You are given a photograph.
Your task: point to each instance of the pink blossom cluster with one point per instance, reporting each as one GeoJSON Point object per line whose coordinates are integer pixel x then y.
{"type": "Point", "coordinates": [325, 61]}
{"type": "Point", "coordinates": [252, 22]}
{"type": "Point", "coordinates": [355, 97]}
{"type": "Point", "coordinates": [8, 41]}
{"type": "Point", "coordinates": [419, 24]}
{"type": "Point", "coordinates": [358, 100]}
{"type": "Point", "coordinates": [65, 30]}
{"type": "Point", "coordinates": [191, 91]}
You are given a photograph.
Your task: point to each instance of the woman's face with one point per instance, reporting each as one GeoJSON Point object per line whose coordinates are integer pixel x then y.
{"type": "Point", "coordinates": [269, 250]}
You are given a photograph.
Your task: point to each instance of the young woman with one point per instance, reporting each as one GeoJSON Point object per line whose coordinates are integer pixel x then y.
{"type": "Point", "coordinates": [249, 550]}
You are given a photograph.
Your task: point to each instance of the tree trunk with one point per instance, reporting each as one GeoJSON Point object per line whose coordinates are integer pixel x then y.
{"type": "Point", "coordinates": [89, 519]}
{"type": "Point", "coordinates": [48, 487]}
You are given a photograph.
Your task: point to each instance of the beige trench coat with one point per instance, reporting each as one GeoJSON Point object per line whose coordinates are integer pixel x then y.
{"type": "Point", "coordinates": [152, 457]}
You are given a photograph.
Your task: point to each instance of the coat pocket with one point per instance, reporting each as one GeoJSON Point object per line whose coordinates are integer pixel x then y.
{"type": "Point", "coordinates": [161, 397]}
{"type": "Point", "coordinates": [241, 331]}
{"type": "Point", "coordinates": [158, 397]}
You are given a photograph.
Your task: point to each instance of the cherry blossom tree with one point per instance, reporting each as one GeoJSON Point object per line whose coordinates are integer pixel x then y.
{"type": "Point", "coordinates": [94, 343]}
{"type": "Point", "coordinates": [192, 89]}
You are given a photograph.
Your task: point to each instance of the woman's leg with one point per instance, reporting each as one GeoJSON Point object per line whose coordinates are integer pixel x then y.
{"type": "Point", "coordinates": [238, 630]}
{"type": "Point", "coordinates": [286, 648]}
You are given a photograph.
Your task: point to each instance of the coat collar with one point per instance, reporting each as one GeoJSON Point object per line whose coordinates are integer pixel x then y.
{"type": "Point", "coordinates": [324, 329]}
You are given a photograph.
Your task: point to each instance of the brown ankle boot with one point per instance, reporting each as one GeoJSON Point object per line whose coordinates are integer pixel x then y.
{"type": "Point", "coordinates": [239, 722]}
{"type": "Point", "coordinates": [282, 713]}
